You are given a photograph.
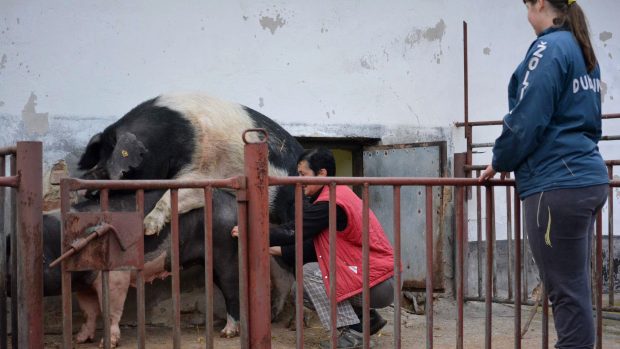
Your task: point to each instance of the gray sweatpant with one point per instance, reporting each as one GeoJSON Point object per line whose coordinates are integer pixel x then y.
{"type": "Point", "coordinates": [559, 226]}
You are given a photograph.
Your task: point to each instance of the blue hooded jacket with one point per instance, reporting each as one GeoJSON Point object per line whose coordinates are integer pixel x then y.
{"type": "Point", "coordinates": [549, 137]}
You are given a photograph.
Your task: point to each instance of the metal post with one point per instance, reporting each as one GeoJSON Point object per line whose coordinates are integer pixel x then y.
{"type": "Point", "coordinates": [397, 269]}
{"type": "Point", "coordinates": [460, 222]}
{"type": "Point", "coordinates": [67, 311]}
{"type": "Point", "coordinates": [30, 245]}
{"type": "Point", "coordinates": [3, 266]}
{"type": "Point", "coordinates": [429, 267]}
{"type": "Point", "coordinates": [257, 173]}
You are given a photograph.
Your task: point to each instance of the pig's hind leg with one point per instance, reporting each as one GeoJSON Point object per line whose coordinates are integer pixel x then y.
{"type": "Point", "coordinates": [89, 304]}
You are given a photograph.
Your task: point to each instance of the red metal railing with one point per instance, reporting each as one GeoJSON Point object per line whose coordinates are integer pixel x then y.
{"type": "Point", "coordinates": [26, 264]}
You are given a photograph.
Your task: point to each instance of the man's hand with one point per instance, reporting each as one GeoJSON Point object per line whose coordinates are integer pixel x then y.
{"type": "Point", "coordinates": [235, 231]}
{"type": "Point", "coordinates": [489, 173]}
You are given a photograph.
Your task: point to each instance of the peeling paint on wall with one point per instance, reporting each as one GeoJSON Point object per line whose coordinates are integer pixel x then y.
{"type": "Point", "coordinates": [1, 103]}
{"type": "Point", "coordinates": [3, 61]}
{"type": "Point", "coordinates": [34, 122]}
{"type": "Point", "coordinates": [435, 33]}
{"type": "Point", "coordinates": [261, 102]}
{"type": "Point", "coordinates": [368, 62]}
{"type": "Point", "coordinates": [603, 90]}
{"type": "Point", "coordinates": [604, 36]}
{"type": "Point", "coordinates": [486, 51]}
{"type": "Point", "coordinates": [272, 23]}
{"type": "Point", "coordinates": [324, 30]}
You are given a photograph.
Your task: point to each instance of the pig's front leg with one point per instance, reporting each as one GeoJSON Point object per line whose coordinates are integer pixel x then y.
{"type": "Point", "coordinates": [119, 285]}
{"type": "Point", "coordinates": [89, 304]}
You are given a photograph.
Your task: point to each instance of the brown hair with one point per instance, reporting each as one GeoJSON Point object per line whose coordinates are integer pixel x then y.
{"type": "Point", "coordinates": [573, 17]}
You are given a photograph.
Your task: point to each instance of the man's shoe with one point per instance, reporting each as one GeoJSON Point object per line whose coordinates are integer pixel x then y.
{"type": "Point", "coordinates": [347, 339]}
{"type": "Point", "coordinates": [377, 322]}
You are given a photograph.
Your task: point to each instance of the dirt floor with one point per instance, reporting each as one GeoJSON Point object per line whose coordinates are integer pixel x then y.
{"type": "Point", "coordinates": [413, 331]}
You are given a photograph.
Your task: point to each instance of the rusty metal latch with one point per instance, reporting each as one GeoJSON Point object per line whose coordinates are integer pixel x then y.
{"type": "Point", "coordinates": [93, 233]}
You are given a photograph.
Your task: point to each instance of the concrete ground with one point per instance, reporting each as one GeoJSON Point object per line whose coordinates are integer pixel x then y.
{"type": "Point", "coordinates": [413, 331]}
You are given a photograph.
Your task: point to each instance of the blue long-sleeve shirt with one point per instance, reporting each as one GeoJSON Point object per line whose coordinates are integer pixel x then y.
{"type": "Point", "coordinates": [550, 136]}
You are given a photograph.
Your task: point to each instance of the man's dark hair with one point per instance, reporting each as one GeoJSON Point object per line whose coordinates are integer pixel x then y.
{"type": "Point", "coordinates": [319, 158]}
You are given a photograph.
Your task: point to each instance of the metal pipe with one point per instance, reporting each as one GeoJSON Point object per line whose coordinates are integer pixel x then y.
{"type": "Point", "coordinates": [242, 241]}
{"type": "Point", "coordinates": [299, 272]}
{"type": "Point", "coordinates": [12, 182]}
{"type": "Point", "coordinates": [517, 272]}
{"type": "Point", "coordinates": [67, 311]}
{"type": "Point", "coordinates": [12, 150]}
{"type": "Point", "coordinates": [29, 236]}
{"type": "Point", "coordinates": [76, 184]}
{"type": "Point", "coordinates": [429, 267]}
{"type": "Point", "coordinates": [3, 260]}
{"type": "Point", "coordinates": [365, 267]}
{"type": "Point", "coordinates": [460, 222]}
{"type": "Point", "coordinates": [256, 171]}
{"type": "Point", "coordinates": [397, 269]}
{"type": "Point", "coordinates": [489, 268]}
{"type": "Point", "coordinates": [509, 240]}
{"type": "Point", "coordinates": [176, 274]}
{"type": "Point", "coordinates": [105, 287]}
{"type": "Point", "coordinates": [332, 263]}
{"type": "Point", "coordinates": [610, 239]}
{"type": "Point", "coordinates": [479, 235]}
{"type": "Point", "coordinates": [208, 231]}
{"type": "Point", "coordinates": [408, 181]}
{"type": "Point", "coordinates": [141, 332]}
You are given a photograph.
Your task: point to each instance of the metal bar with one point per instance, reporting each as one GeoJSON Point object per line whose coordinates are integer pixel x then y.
{"type": "Point", "coordinates": [489, 271]}
{"type": "Point", "coordinates": [67, 310]}
{"type": "Point", "coordinates": [105, 278]}
{"type": "Point", "coordinates": [479, 234]}
{"type": "Point", "coordinates": [468, 128]}
{"type": "Point", "coordinates": [332, 264]}
{"type": "Point", "coordinates": [13, 263]}
{"type": "Point", "coordinates": [409, 181]}
{"type": "Point", "coordinates": [140, 296]}
{"type": "Point", "coordinates": [500, 122]}
{"type": "Point", "coordinates": [3, 261]}
{"type": "Point", "coordinates": [242, 240]}
{"type": "Point", "coordinates": [526, 263]}
{"type": "Point", "coordinates": [8, 150]}
{"type": "Point", "coordinates": [256, 170]}
{"type": "Point", "coordinates": [599, 279]}
{"type": "Point", "coordinates": [460, 222]}
{"type": "Point", "coordinates": [494, 240]}
{"type": "Point", "coordinates": [365, 267]}
{"type": "Point", "coordinates": [509, 240]}
{"type": "Point", "coordinates": [429, 267]}
{"type": "Point", "coordinates": [9, 182]}
{"type": "Point", "coordinates": [482, 145]}
{"type": "Point", "coordinates": [545, 319]}
{"type": "Point", "coordinates": [299, 273]}
{"type": "Point", "coordinates": [610, 238]}
{"type": "Point", "coordinates": [517, 272]}
{"type": "Point", "coordinates": [397, 269]}
{"type": "Point", "coordinates": [208, 229]}
{"type": "Point", "coordinates": [75, 184]}
{"type": "Point", "coordinates": [176, 273]}
{"type": "Point", "coordinates": [105, 287]}
{"type": "Point", "coordinates": [30, 244]}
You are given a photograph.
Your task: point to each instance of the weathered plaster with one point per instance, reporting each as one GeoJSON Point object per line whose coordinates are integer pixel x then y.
{"type": "Point", "coordinates": [272, 23]}
{"type": "Point", "coordinates": [604, 36]}
{"type": "Point", "coordinates": [34, 122]}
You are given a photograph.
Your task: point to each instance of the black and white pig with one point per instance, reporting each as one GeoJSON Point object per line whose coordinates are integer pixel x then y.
{"type": "Point", "coordinates": [189, 136]}
{"type": "Point", "coordinates": [87, 285]}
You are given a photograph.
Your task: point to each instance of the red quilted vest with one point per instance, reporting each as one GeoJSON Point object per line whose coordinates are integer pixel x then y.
{"type": "Point", "coordinates": [349, 247]}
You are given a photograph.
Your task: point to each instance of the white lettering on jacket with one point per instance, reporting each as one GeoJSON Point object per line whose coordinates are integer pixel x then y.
{"type": "Point", "coordinates": [532, 64]}
{"type": "Point", "coordinates": [585, 82]}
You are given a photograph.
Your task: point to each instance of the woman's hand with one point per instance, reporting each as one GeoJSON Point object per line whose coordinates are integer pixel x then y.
{"type": "Point", "coordinates": [235, 231]}
{"type": "Point", "coordinates": [275, 250]}
{"type": "Point", "coordinates": [489, 173]}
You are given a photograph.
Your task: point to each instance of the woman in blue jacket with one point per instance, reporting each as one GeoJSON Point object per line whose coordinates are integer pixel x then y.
{"type": "Point", "coordinates": [549, 139]}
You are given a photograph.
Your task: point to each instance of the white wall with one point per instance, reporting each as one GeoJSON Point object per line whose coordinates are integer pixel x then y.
{"type": "Point", "coordinates": [388, 69]}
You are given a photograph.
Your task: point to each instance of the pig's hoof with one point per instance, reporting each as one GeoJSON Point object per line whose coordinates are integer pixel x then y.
{"type": "Point", "coordinates": [113, 343]}
{"type": "Point", "coordinates": [229, 332]}
{"type": "Point", "coordinates": [84, 337]}
{"type": "Point", "coordinates": [153, 224]}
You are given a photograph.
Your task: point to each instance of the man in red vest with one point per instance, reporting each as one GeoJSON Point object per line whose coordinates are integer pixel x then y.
{"type": "Point", "coordinates": [349, 281]}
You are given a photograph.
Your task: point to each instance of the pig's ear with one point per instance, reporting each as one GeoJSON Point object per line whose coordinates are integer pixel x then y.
{"type": "Point", "coordinates": [127, 154]}
{"type": "Point", "coordinates": [91, 155]}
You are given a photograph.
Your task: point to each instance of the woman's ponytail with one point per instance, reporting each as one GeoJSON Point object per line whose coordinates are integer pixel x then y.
{"type": "Point", "coordinates": [578, 25]}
